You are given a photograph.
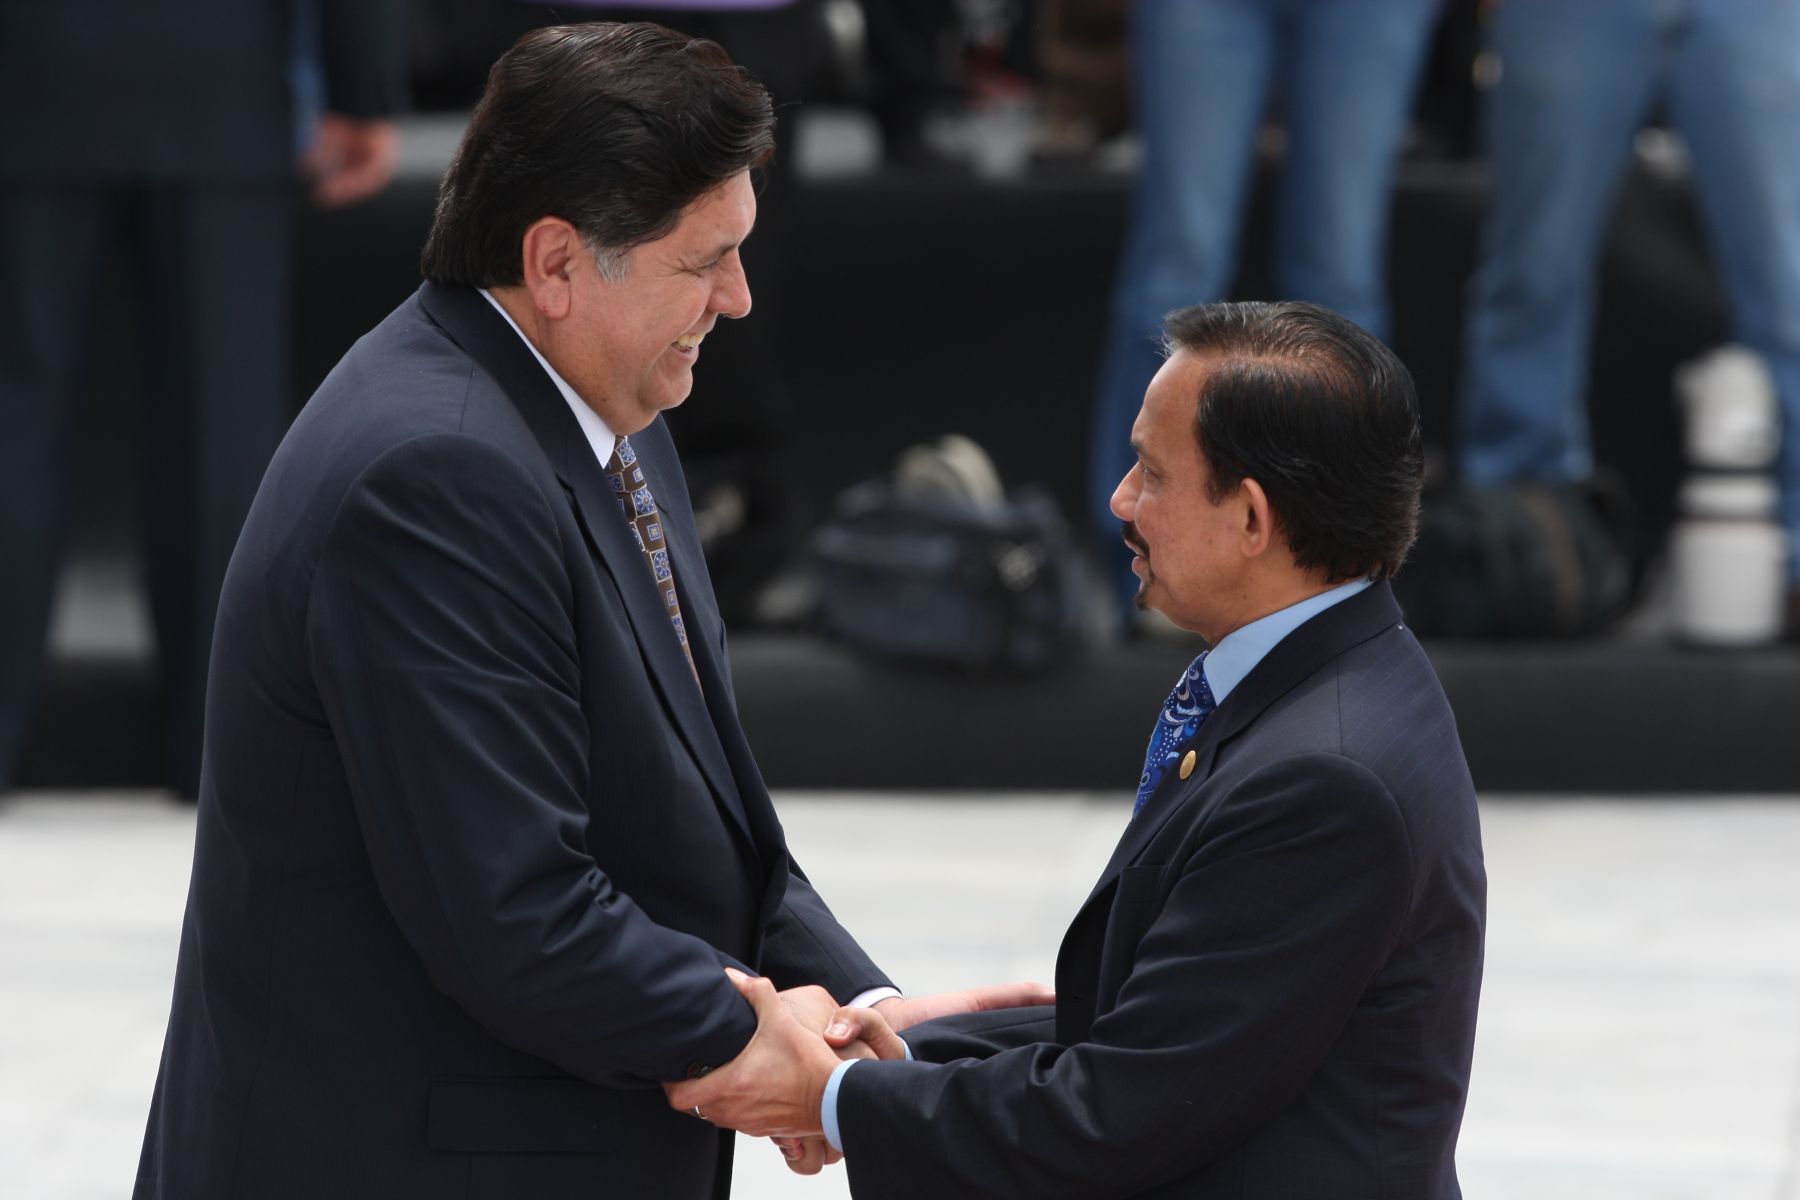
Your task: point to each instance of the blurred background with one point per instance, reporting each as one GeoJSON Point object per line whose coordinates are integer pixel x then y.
{"type": "Point", "coordinates": [1577, 223]}
{"type": "Point", "coordinates": [969, 231]}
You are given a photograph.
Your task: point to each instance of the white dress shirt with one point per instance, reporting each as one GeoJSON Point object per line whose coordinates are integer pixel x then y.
{"type": "Point", "coordinates": [602, 439]}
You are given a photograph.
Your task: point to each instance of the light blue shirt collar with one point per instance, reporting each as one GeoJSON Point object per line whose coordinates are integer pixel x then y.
{"type": "Point", "coordinates": [1239, 651]}
{"type": "Point", "coordinates": [599, 436]}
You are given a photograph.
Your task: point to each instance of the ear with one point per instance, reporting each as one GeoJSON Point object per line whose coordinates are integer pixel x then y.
{"type": "Point", "coordinates": [1257, 533]}
{"type": "Point", "coordinates": [551, 250]}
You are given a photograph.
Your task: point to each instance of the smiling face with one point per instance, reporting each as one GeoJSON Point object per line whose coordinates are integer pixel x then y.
{"type": "Point", "coordinates": [1191, 562]}
{"type": "Point", "coordinates": [628, 346]}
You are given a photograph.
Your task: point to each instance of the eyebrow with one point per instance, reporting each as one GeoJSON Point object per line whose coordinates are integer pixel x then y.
{"type": "Point", "coordinates": [718, 252]}
{"type": "Point", "coordinates": [1137, 448]}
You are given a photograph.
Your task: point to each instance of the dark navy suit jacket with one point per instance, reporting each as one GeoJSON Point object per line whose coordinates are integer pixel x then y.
{"type": "Point", "coordinates": [1271, 991]}
{"type": "Point", "coordinates": [473, 847]}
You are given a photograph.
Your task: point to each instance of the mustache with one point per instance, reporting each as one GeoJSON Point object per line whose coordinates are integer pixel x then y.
{"type": "Point", "coordinates": [1129, 532]}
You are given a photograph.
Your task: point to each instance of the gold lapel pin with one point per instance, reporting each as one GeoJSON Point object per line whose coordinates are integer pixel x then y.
{"type": "Point", "coordinates": [1187, 764]}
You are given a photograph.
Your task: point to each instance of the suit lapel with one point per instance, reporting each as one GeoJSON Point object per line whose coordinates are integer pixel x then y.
{"type": "Point", "coordinates": [474, 325]}
{"type": "Point", "coordinates": [700, 608]}
{"type": "Point", "coordinates": [1294, 659]}
{"type": "Point", "coordinates": [700, 612]}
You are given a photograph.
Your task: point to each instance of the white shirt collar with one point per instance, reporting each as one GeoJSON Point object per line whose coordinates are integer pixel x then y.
{"type": "Point", "coordinates": [599, 436]}
{"type": "Point", "coordinates": [1239, 651]}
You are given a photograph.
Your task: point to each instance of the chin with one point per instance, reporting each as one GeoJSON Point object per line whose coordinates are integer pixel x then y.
{"type": "Point", "coordinates": [648, 408]}
{"type": "Point", "coordinates": [675, 397]}
{"type": "Point", "coordinates": [1141, 598]}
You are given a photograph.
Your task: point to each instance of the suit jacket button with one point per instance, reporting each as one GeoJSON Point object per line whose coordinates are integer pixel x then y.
{"type": "Point", "coordinates": [696, 1069]}
{"type": "Point", "coordinates": [1187, 764]}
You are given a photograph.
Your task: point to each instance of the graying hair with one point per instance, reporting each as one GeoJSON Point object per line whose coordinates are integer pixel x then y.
{"type": "Point", "coordinates": [613, 262]}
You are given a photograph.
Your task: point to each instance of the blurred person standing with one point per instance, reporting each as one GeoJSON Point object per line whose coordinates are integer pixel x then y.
{"type": "Point", "coordinates": [155, 146]}
{"type": "Point", "coordinates": [1576, 83]}
{"type": "Point", "coordinates": [1202, 75]}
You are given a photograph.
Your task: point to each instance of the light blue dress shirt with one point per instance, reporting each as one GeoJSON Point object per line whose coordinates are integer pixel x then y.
{"type": "Point", "coordinates": [1230, 661]}
{"type": "Point", "coordinates": [1239, 651]}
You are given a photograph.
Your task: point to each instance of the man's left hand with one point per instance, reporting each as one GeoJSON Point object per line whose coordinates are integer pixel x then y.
{"type": "Point", "coordinates": [902, 1012]}
{"type": "Point", "coordinates": [807, 1155]}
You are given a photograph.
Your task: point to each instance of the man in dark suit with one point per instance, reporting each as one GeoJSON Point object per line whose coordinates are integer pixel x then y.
{"type": "Point", "coordinates": [1271, 991]}
{"type": "Point", "coordinates": [478, 826]}
{"type": "Point", "coordinates": [153, 147]}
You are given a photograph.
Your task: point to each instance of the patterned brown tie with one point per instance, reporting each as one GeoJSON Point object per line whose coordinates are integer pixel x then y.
{"type": "Point", "coordinates": [646, 529]}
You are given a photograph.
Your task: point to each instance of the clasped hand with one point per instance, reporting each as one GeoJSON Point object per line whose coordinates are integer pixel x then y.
{"type": "Point", "coordinates": [776, 1085]}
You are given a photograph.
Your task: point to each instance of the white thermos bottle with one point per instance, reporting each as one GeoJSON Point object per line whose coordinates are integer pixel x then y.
{"type": "Point", "coordinates": [1728, 554]}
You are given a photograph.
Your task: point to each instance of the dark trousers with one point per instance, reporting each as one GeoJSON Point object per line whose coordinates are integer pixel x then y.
{"type": "Point", "coordinates": [211, 267]}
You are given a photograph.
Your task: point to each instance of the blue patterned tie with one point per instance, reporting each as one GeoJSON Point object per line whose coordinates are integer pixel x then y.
{"type": "Point", "coordinates": [645, 523]}
{"type": "Point", "coordinates": [1189, 704]}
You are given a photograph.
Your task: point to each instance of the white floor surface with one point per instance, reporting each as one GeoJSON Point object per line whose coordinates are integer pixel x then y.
{"type": "Point", "coordinates": [1640, 1024]}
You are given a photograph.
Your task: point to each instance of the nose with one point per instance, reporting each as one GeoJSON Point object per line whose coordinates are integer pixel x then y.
{"type": "Point", "coordinates": [1124, 498]}
{"type": "Point", "coordinates": [731, 297]}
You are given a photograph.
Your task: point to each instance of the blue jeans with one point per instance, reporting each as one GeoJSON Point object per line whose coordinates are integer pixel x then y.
{"type": "Point", "coordinates": [1203, 72]}
{"type": "Point", "coordinates": [1577, 80]}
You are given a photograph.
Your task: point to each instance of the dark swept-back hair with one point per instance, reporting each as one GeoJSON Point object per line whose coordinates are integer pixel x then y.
{"type": "Point", "coordinates": [1319, 413]}
{"type": "Point", "coordinates": [616, 128]}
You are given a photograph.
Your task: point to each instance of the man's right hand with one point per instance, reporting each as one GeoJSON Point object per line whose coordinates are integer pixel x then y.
{"type": "Point", "coordinates": [349, 159]}
{"type": "Point", "coordinates": [775, 1084]}
{"type": "Point", "coordinates": [853, 1033]}
{"type": "Point", "coordinates": [868, 1026]}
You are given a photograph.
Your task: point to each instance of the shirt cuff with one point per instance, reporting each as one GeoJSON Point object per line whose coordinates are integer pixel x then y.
{"type": "Point", "coordinates": [874, 996]}
{"type": "Point", "coordinates": [828, 1120]}
{"type": "Point", "coordinates": [828, 1103]}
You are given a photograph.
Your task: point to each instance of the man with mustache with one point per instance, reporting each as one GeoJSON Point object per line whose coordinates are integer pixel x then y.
{"type": "Point", "coordinates": [478, 826]}
{"type": "Point", "coordinates": [1271, 991]}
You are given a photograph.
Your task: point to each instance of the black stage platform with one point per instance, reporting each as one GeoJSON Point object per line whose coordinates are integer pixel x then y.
{"type": "Point", "coordinates": [1603, 717]}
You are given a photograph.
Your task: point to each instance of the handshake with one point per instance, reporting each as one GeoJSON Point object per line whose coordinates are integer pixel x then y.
{"type": "Point", "coordinates": [775, 1087]}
